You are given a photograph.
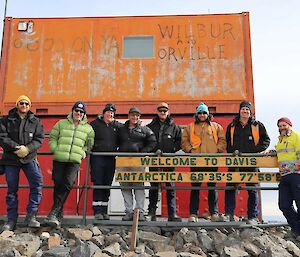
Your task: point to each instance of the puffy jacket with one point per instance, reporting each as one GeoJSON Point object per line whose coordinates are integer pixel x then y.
{"type": "Point", "coordinates": [106, 135]}
{"type": "Point", "coordinates": [288, 153]}
{"type": "Point", "coordinates": [139, 139]}
{"type": "Point", "coordinates": [243, 140]}
{"type": "Point", "coordinates": [171, 135]}
{"type": "Point", "coordinates": [10, 137]}
{"type": "Point", "coordinates": [204, 131]}
{"type": "Point", "coordinates": [68, 142]}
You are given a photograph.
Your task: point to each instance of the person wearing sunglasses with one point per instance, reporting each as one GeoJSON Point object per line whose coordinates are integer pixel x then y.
{"type": "Point", "coordinates": [168, 138]}
{"type": "Point", "coordinates": [21, 135]}
{"type": "Point", "coordinates": [203, 136]}
{"type": "Point", "coordinates": [69, 141]}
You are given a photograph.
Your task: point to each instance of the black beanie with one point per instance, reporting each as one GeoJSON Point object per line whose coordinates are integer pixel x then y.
{"type": "Point", "coordinates": [109, 107]}
{"type": "Point", "coordinates": [80, 105]}
{"type": "Point", "coordinates": [246, 104]}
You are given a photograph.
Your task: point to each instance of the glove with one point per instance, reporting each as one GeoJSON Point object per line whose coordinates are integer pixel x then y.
{"type": "Point", "coordinates": [22, 151]}
{"type": "Point", "coordinates": [158, 152]}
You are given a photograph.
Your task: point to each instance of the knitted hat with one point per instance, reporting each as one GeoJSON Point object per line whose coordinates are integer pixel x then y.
{"type": "Point", "coordinates": [202, 108]}
{"type": "Point", "coordinates": [247, 105]}
{"type": "Point", "coordinates": [23, 97]}
{"type": "Point", "coordinates": [80, 105]}
{"type": "Point", "coordinates": [134, 109]}
{"type": "Point", "coordinates": [109, 107]}
{"type": "Point", "coordinates": [286, 120]}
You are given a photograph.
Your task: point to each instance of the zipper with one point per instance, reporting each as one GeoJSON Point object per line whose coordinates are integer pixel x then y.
{"type": "Point", "coordinates": [72, 141]}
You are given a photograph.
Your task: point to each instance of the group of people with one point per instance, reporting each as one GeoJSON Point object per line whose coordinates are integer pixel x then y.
{"type": "Point", "coordinates": [22, 134]}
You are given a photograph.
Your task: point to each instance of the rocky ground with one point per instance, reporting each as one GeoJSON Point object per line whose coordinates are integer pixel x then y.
{"type": "Point", "coordinates": [104, 241]}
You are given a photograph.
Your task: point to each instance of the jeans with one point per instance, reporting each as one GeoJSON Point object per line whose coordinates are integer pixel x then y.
{"type": "Point", "coordinates": [289, 191]}
{"type": "Point", "coordinates": [34, 176]}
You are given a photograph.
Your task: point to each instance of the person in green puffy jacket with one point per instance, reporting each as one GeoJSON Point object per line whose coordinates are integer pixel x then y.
{"type": "Point", "coordinates": [69, 141]}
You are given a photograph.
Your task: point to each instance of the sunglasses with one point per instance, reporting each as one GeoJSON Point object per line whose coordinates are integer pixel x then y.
{"type": "Point", "coordinates": [78, 110]}
{"type": "Point", "coordinates": [163, 110]}
{"type": "Point", "coordinates": [23, 103]}
{"type": "Point", "coordinates": [202, 113]}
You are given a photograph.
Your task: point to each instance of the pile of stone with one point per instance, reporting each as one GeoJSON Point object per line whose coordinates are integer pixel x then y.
{"type": "Point", "coordinates": [97, 241]}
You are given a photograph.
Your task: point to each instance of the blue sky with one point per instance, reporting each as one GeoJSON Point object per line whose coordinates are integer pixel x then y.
{"type": "Point", "coordinates": [275, 40]}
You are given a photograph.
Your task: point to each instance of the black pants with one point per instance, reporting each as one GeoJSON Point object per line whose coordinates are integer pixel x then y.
{"type": "Point", "coordinates": [171, 196]}
{"type": "Point", "coordinates": [212, 194]}
{"type": "Point", "coordinates": [64, 175]}
{"type": "Point", "coordinates": [102, 173]}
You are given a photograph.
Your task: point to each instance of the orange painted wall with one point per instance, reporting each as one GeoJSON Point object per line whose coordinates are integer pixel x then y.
{"type": "Point", "coordinates": [196, 58]}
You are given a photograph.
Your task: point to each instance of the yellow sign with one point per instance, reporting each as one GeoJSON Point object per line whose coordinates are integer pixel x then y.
{"type": "Point", "coordinates": [190, 161]}
{"type": "Point", "coordinates": [160, 176]}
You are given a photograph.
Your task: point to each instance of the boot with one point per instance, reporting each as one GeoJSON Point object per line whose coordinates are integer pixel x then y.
{"type": "Point", "coordinates": [9, 225]}
{"type": "Point", "coordinates": [52, 219]}
{"type": "Point", "coordinates": [174, 218]}
{"type": "Point", "coordinates": [31, 221]}
{"type": "Point", "coordinates": [152, 214]}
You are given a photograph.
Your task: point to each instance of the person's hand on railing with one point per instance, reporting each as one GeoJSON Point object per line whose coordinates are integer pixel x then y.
{"type": "Point", "coordinates": [271, 152]}
{"type": "Point", "coordinates": [158, 152]}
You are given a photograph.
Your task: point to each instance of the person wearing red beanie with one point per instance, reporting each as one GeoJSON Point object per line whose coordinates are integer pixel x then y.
{"type": "Point", "coordinates": [288, 154]}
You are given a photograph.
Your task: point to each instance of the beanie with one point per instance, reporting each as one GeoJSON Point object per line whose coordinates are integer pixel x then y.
{"type": "Point", "coordinates": [80, 105]}
{"type": "Point", "coordinates": [286, 120]}
{"type": "Point", "coordinates": [109, 107]}
{"type": "Point", "coordinates": [23, 97]}
{"type": "Point", "coordinates": [246, 104]}
{"type": "Point", "coordinates": [163, 105]}
{"type": "Point", "coordinates": [202, 108]}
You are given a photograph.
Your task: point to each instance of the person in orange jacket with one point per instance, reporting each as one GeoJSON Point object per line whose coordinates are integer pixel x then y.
{"type": "Point", "coordinates": [203, 136]}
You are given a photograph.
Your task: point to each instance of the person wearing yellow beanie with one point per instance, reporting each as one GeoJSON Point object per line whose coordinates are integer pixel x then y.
{"type": "Point", "coordinates": [23, 98]}
{"type": "Point", "coordinates": [21, 135]}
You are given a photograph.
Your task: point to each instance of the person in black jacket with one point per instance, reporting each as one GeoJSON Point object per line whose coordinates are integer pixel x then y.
{"type": "Point", "coordinates": [103, 167]}
{"type": "Point", "coordinates": [21, 135]}
{"type": "Point", "coordinates": [168, 136]}
{"type": "Point", "coordinates": [245, 135]}
{"type": "Point", "coordinates": [135, 138]}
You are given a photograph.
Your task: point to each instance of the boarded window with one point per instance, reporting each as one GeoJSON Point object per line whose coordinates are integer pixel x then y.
{"type": "Point", "coordinates": [138, 47]}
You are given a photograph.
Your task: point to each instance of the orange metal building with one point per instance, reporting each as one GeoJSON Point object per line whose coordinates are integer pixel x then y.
{"type": "Point", "coordinates": [140, 61]}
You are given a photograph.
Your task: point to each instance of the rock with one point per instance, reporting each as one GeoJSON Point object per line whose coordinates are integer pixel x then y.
{"type": "Point", "coordinates": [79, 233]}
{"type": "Point", "coordinates": [191, 237]}
{"type": "Point", "coordinates": [85, 249]}
{"type": "Point", "coordinates": [45, 235]}
{"type": "Point", "coordinates": [100, 254]}
{"type": "Point", "coordinates": [98, 240]}
{"type": "Point", "coordinates": [179, 242]}
{"type": "Point", "coordinates": [166, 254]}
{"type": "Point", "coordinates": [152, 237]}
{"type": "Point", "coordinates": [263, 242]}
{"type": "Point", "coordinates": [53, 241]}
{"type": "Point", "coordinates": [9, 252]}
{"type": "Point", "coordinates": [6, 234]}
{"type": "Point", "coordinates": [115, 238]}
{"type": "Point", "coordinates": [275, 252]}
{"type": "Point", "coordinates": [233, 252]}
{"type": "Point", "coordinates": [251, 248]}
{"type": "Point", "coordinates": [162, 247]}
{"type": "Point", "coordinates": [96, 231]}
{"type": "Point", "coordinates": [26, 244]}
{"type": "Point", "coordinates": [140, 249]}
{"type": "Point", "coordinates": [205, 242]}
{"type": "Point", "coordinates": [291, 247]}
{"type": "Point", "coordinates": [186, 254]}
{"type": "Point", "coordinates": [113, 250]}
{"type": "Point", "coordinates": [58, 251]}
{"type": "Point", "coordinates": [250, 233]}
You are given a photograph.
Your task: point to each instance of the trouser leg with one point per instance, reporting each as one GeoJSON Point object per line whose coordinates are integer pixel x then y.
{"type": "Point", "coordinates": [139, 197]}
{"type": "Point", "coordinates": [35, 179]}
{"type": "Point", "coordinates": [127, 196]}
{"type": "Point", "coordinates": [171, 199]}
{"type": "Point", "coordinates": [12, 180]}
{"type": "Point", "coordinates": [230, 200]}
{"type": "Point", "coordinates": [213, 199]}
{"type": "Point", "coordinates": [194, 199]}
{"type": "Point", "coordinates": [153, 197]}
{"type": "Point", "coordinates": [102, 173]}
{"type": "Point", "coordinates": [252, 202]}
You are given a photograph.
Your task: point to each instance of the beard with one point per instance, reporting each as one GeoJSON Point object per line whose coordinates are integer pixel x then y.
{"type": "Point", "coordinates": [285, 132]}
